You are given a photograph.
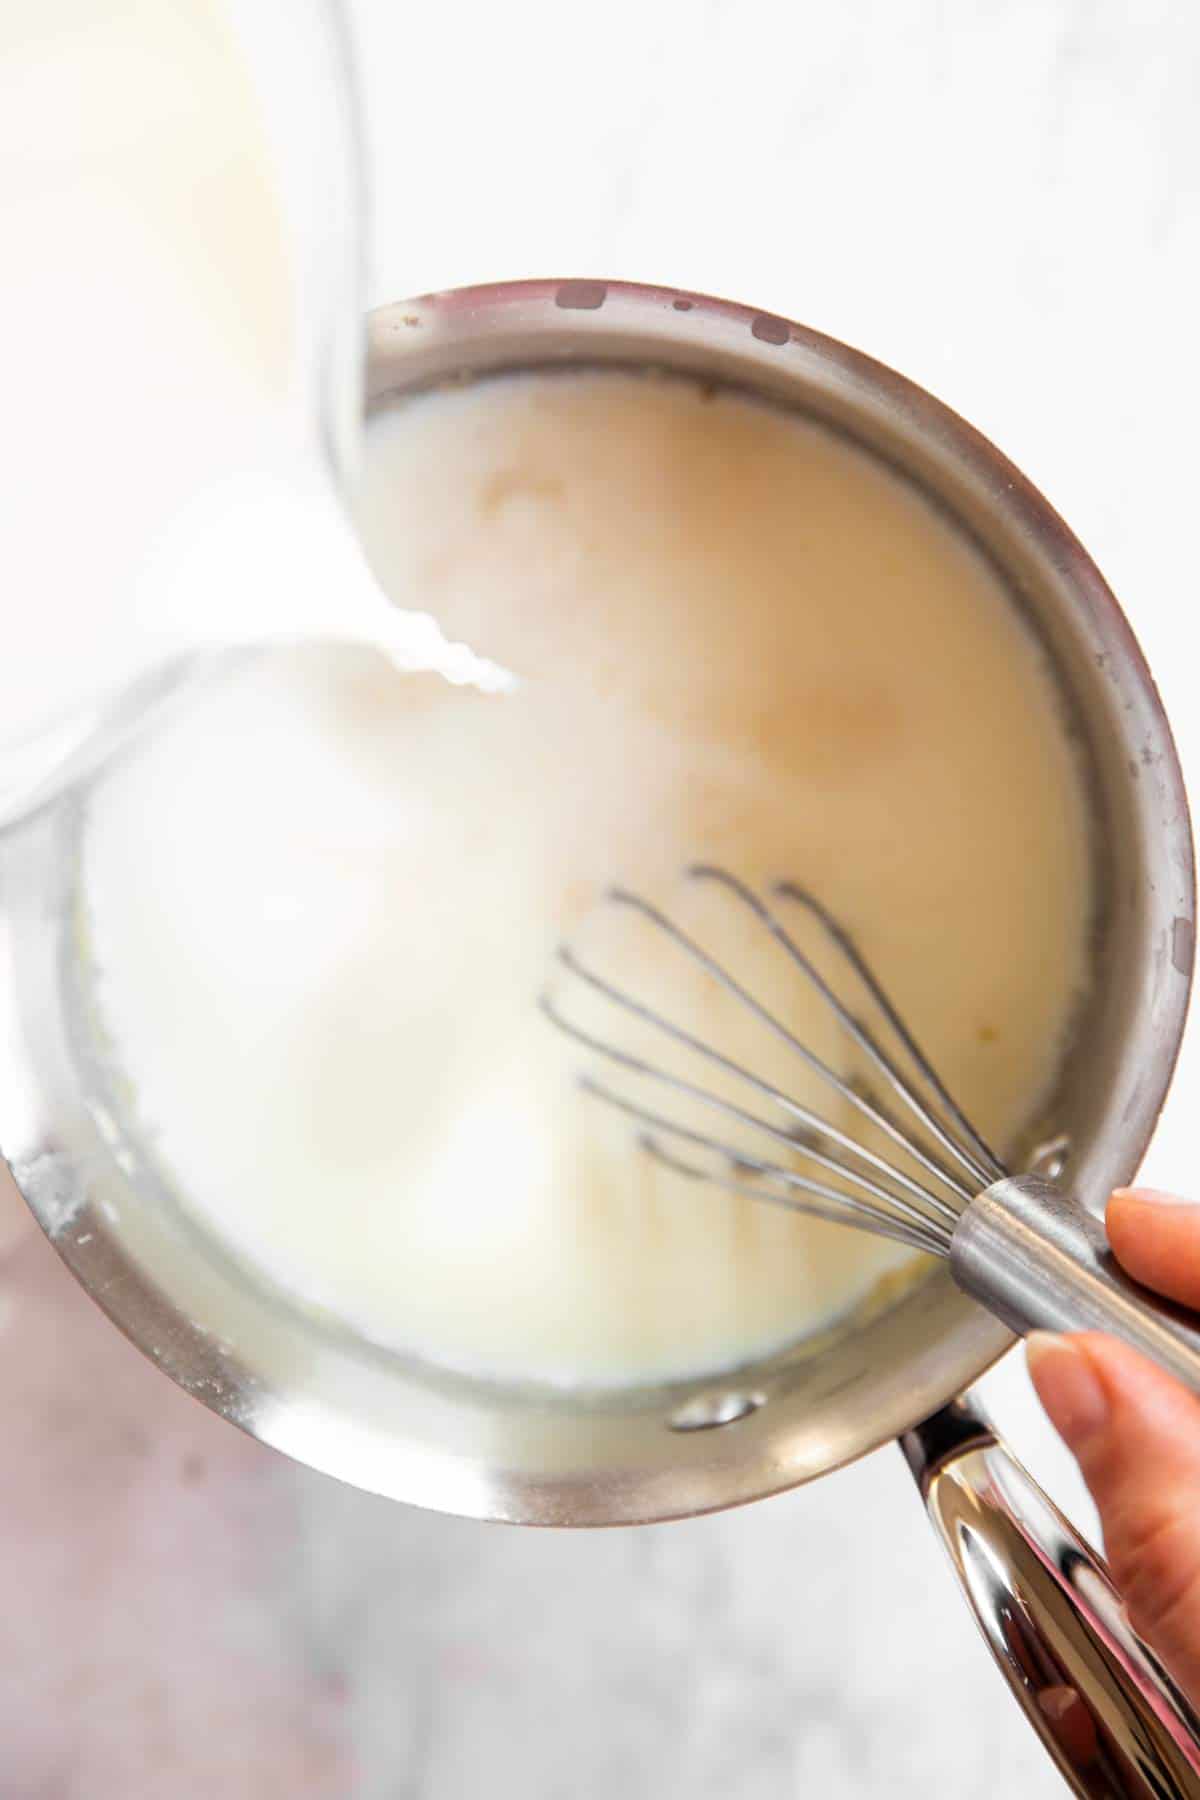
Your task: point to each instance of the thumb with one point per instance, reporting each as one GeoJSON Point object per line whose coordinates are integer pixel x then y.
{"type": "Point", "coordinates": [1156, 1239]}
{"type": "Point", "coordinates": [1135, 1433]}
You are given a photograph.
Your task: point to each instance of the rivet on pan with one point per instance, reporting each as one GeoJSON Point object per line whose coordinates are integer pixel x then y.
{"type": "Point", "coordinates": [1049, 1160]}
{"type": "Point", "coordinates": [769, 330]}
{"type": "Point", "coordinates": [707, 1411]}
{"type": "Point", "coordinates": [581, 296]}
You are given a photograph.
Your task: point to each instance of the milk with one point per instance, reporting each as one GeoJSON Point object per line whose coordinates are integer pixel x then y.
{"type": "Point", "coordinates": [319, 913]}
{"type": "Point", "coordinates": [176, 419]}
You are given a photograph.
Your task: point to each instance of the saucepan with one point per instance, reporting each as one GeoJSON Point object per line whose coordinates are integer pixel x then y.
{"type": "Point", "coordinates": [1106, 1711]}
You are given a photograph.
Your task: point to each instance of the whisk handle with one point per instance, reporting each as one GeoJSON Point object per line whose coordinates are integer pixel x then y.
{"type": "Point", "coordinates": [1040, 1262]}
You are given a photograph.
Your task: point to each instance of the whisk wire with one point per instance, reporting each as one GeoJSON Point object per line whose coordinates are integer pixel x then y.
{"type": "Point", "coordinates": [864, 1106]}
{"type": "Point", "coordinates": [978, 1172]}
{"type": "Point", "coordinates": [875, 1194]}
{"type": "Point", "coordinates": [803, 1115]}
{"type": "Point", "coordinates": [989, 1167]}
{"type": "Point", "coordinates": [866, 1218]}
{"type": "Point", "coordinates": [821, 1200]}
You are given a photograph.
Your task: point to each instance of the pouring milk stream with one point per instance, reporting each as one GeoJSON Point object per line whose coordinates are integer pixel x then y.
{"type": "Point", "coordinates": [179, 421]}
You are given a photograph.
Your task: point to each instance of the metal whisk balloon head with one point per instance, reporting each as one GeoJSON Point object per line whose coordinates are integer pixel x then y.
{"type": "Point", "coordinates": [740, 1081]}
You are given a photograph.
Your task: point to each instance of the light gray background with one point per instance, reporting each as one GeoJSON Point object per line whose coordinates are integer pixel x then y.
{"type": "Point", "coordinates": [1001, 199]}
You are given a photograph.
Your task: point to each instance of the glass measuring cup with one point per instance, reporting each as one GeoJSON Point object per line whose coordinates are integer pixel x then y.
{"type": "Point", "coordinates": [183, 392]}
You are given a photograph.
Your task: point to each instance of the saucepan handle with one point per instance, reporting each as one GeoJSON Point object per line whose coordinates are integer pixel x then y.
{"type": "Point", "coordinates": [1108, 1713]}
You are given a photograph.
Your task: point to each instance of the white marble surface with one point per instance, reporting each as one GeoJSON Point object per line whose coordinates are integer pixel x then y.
{"type": "Point", "coordinates": [1001, 200]}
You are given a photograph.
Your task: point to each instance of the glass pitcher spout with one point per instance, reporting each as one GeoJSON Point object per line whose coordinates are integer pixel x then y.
{"type": "Point", "coordinates": [264, 562]}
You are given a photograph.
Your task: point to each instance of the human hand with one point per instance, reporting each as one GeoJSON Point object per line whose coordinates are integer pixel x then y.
{"type": "Point", "coordinates": [1135, 1433]}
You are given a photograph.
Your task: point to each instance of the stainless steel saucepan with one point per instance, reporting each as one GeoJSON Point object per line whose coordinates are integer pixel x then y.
{"type": "Point", "coordinates": [1106, 1712]}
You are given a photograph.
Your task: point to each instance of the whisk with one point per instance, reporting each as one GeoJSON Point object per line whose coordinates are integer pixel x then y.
{"type": "Point", "coordinates": [1018, 1243]}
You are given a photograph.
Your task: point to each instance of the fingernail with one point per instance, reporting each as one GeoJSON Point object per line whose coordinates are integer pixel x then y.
{"type": "Point", "coordinates": [1067, 1386]}
{"type": "Point", "coordinates": [1153, 1197]}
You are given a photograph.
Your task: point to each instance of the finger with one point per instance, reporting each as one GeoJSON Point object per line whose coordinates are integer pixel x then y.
{"type": "Point", "coordinates": [1156, 1239]}
{"type": "Point", "coordinates": [1135, 1433]}
{"type": "Point", "coordinates": [1071, 1722]}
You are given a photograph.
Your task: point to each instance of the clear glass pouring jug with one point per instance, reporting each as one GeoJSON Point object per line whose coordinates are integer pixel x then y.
{"type": "Point", "coordinates": [182, 326]}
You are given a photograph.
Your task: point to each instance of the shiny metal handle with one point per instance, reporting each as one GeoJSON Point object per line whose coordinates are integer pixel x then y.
{"type": "Point", "coordinates": [1037, 1260]}
{"type": "Point", "coordinates": [1106, 1710]}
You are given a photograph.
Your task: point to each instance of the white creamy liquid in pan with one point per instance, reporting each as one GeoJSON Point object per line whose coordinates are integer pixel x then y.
{"type": "Point", "coordinates": [321, 906]}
